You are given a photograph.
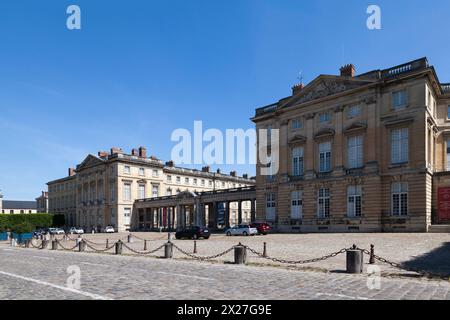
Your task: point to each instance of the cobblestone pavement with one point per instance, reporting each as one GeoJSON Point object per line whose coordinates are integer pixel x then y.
{"type": "Point", "coordinates": [430, 252]}
{"type": "Point", "coordinates": [42, 274]}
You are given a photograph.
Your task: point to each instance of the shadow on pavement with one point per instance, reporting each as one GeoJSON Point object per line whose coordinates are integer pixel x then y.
{"type": "Point", "coordinates": [436, 261]}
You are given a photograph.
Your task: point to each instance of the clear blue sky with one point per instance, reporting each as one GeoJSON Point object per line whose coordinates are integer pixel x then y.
{"type": "Point", "coordinates": [140, 69]}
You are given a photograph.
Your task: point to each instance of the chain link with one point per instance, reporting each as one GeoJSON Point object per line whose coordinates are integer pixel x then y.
{"type": "Point", "coordinates": [202, 258]}
{"type": "Point", "coordinates": [65, 248]}
{"type": "Point", "coordinates": [100, 250]}
{"type": "Point", "coordinates": [36, 246]}
{"type": "Point", "coordinates": [143, 252]}
{"type": "Point", "coordinates": [149, 240]}
{"type": "Point", "coordinates": [328, 256]}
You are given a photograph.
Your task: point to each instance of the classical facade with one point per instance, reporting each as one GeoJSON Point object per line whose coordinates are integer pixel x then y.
{"type": "Point", "coordinates": [358, 153]}
{"type": "Point", "coordinates": [42, 202]}
{"type": "Point", "coordinates": [103, 189]}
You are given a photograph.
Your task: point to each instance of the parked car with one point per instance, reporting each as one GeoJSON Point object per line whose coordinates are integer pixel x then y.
{"type": "Point", "coordinates": [59, 231]}
{"type": "Point", "coordinates": [241, 230]}
{"type": "Point", "coordinates": [75, 230]}
{"type": "Point", "coordinates": [39, 232]}
{"type": "Point", "coordinates": [109, 229]}
{"type": "Point", "coordinates": [193, 233]}
{"type": "Point", "coordinates": [262, 227]}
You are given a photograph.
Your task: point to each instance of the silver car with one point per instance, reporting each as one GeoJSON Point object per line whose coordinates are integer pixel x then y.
{"type": "Point", "coordinates": [241, 230]}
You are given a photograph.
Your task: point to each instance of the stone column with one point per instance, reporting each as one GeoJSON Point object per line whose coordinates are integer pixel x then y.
{"type": "Point", "coordinates": [338, 147]}
{"type": "Point", "coordinates": [309, 147]}
{"type": "Point", "coordinates": [227, 214]}
{"type": "Point", "coordinates": [253, 210]}
{"type": "Point", "coordinates": [239, 212]}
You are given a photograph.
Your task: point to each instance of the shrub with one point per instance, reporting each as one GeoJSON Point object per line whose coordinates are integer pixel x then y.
{"type": "Point", "coordinates": [22, 227]}
{"type": "Point", "coordinates": [10, 221]}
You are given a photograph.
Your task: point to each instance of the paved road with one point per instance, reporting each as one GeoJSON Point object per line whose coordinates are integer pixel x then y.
{"type": "Point", "coordinates": [42, 274]}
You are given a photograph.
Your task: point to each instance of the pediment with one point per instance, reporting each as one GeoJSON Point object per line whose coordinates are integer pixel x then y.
{"type": "Point", "coordinates": [89, 161]}
{"type": "Point", "coordinates": [324, 86]}
{"type": "Point", "coordinates": [325, 133]}
{"type": "Point", "coordinates": [355, 127]}
{"type": "Point", "coordinates": [297, 139]}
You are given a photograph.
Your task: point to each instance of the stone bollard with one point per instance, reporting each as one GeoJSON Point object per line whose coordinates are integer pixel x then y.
{"type": "Point", "coordinates": [129, 238]}
{"type": "Point", "coordinates": [107, 243]}
{"type": "Point", "coordinates": [265, 250]}
{"type": "Point", "coordinates": [27, 243]}
{"type": "Point", "coordinates": [168, 250]}
{"type": "Point", "coordinates": [44, 244]}
{"type": "Point", "coordinates": [145, 245]}
{"type": "Point", "coordinates": [195, 246]}
{"type": "Point", "coordinates": [81, 246]}
{"type": "Point", "coordinates": [55, 245]}
{"type": "Point", "coordinates": [169, 237]}
{"type": "Point", "coordinates": [240, 254]}
{"type": "Point", "coordinates": [372, 254]}
{"type": "Point", "coordinates": [119, 247]}
{"type": "Point", "coordinates": [355, 261]}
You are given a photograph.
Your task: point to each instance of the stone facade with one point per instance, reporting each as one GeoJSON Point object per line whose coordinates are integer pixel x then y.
{"type": "Point", "coordinates": [42, 202]}
{"type": "Point", "coordinates": [102, 190]}
{"type": "Point", "coordinates": [357, 153]}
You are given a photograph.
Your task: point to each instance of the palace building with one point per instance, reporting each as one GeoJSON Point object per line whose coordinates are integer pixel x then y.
{"type": "Point", "coordinates": [103, 190]}
{"type": "Point", "coordinates": [359, 153]}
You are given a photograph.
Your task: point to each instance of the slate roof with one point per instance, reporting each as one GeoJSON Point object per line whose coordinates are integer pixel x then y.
{"type": "Point", "coordinates": [16, 205]}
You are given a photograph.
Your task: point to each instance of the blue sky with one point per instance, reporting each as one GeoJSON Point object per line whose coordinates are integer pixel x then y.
{"type": "Point", "coordinates": [140, 69]}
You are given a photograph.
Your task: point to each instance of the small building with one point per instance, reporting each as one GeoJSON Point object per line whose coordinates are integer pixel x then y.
{"type": "Point", "coordinates": [42, 202]}
{"type": "Point", "coordinates": [18, 207]}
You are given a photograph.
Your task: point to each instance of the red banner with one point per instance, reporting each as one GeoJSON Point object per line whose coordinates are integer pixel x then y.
{"type": "Point", "coordinates": [444, 203]}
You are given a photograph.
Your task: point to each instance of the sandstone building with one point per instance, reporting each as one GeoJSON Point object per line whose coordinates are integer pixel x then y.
{"type": "Point", "coordinates": [103, 189]}
{"type": "Point", "coordinates": [368, 152]}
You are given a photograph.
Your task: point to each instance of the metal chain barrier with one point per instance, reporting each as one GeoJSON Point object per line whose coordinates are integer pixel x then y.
{"type": "Point", "coordinates": [100, 250]}
{"type": "Point", "coordinates": [328, 256]}
{"type": "Point", "coordinates": [65, 248]}
{"type": "Point", "coordinates": [35, 246]}
{"type": "Point", "coordinates": [149, 240]}
{"type": "Point", "coordinates": [202, 258]}
{"type": "Point", "coordinates": [143, 252]}
{"type": "Point", "coordinates": [94, 243]}
{"type": "Point", "coordinates": [403, 267]}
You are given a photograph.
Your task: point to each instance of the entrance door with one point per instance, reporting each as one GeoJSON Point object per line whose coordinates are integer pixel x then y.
{"type": "Point", "coordinates": [444, 204]}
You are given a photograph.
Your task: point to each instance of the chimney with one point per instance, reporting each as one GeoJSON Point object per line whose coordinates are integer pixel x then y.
{"type": "Point", "coordinates": [206, 169]}
{"type": "Point", "coordinates": [297, 88]}
{"type": "Point", "coordinates": [103, 154]}
{"type": "Point", "coordinates": [218, 171]}
{"type": "Point", "coordinates": [71, 172]}
{"type": "Point", "coordinates": [245, 176]}
{"type": "Point", "coordinates": [142, 152]}
{"type": "Point", "coordinates": [170, 163]}
{"type": "Point", "coordinates": [348, 70]}
{"type": "Point", "coordinates": [233, 173]}
{"type": "Point", "coordinates": [115, 150]}
{"type": "Point", "coordinates": [135, 152]}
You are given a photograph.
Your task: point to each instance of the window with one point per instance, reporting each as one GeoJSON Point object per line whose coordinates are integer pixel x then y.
{"type": "Point", "coordinates": [448, 155]}
{"type": "Point", "coordinates": [195, 182]}
{"type": "Point", "coordinates": [141, 191]}
{"type": "Point", "coordinates": [210, 183]}
{"type": "Point", "coordinates": [270, 207]}
{"type": "Point", "coordinates": [126, 216]}
{"type": "Point", "coordinates": [400, 198]}
{"type": "Point", "coordinates": [353, 111]}
{"type": "Point", "coordinates": [112, 192]}
{"type": "Point", "coordinates": [325, 117]}
{"type": "Point", "coordinates": [355, 152]}
{"type": "Point", "coordinates": [297, 162]}
{"type": "Point", "coordinates": [169, 192]}
{"type": "Point", "coordinates": [399, 145]}
{"type": "Point", "coordinates": [141, 171]}
{"type": "Point", "coordinates": [155, 173]}
{"type": "Point", "coordinates": [323, 203]}
{"type": "Point", "coordinates": [296, 205]}
{"type": "Point", "coordinates": [155, 191]}
{"type": "Point", "coordinates": [448, 112]}
{"type": "Point", "coordinates": [223, 184]}
{"type": "Point", "coordinates": [296, 124]}
{"type": "Point", "coordinates": [399, 99]}
{"type": "Point", "coordinates": [127, 170]}
{"type": "Point", "coordinates": [325, 157]}
{"type": "Point", "coordinates": [354, 201]}
{"type": "Point", "coordinates": [127, 191]}
{"type": "Point", "coordinates": [169, 178]}
{"type": "Point", "coordinates": [178, 179]}
{"type": "Point", "coordinates": [203, 182]}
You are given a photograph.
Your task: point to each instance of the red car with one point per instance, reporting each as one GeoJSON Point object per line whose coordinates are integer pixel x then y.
{"type": "Point", "coordinates": [262, 227]}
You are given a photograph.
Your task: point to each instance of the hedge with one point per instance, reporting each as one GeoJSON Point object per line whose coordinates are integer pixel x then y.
{"type": "Point", "coordinates": [24, 222]}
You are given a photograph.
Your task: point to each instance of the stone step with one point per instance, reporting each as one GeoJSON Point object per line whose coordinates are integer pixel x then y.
{"type": "Point", "coordinates": [439, 229]}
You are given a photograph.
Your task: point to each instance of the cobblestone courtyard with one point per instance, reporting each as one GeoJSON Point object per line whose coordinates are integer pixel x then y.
{"type": "Point", "coordinates": [42, 274]}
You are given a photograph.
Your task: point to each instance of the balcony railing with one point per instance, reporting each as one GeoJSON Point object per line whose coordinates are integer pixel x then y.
{"type": "Point", "coordinates": [445, 88]}
{"type": "Point", "coordinates": [405, 68]}
{"type": "Point", "coordinates": [267, 109]}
